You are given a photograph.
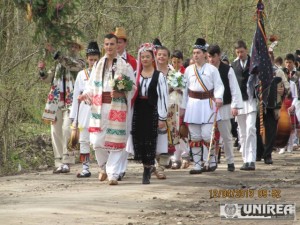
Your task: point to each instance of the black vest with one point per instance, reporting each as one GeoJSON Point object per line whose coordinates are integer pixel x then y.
{"type": "Point", "coordinates": [223, 70]}
{"type": "Point", "coordinates": [295, 77]}
{"type": "Point", "coordinates": [272, 97]}
{"type": "Point", "coordinates": [152, 90]}
{"type": "Point", "coordinates": [242, 76]}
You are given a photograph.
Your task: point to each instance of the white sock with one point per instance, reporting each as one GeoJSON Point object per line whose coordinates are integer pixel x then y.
{"type": "Point", "coordinates": [65, 166]}
{"type": "Point", "coordinates": [85, 166]}
{"type": "Point", "coordinates": [197, 157]}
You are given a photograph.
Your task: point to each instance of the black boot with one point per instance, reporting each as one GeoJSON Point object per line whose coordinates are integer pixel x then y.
{"type": "Point", "coordinates": [230, 167]}
{"type": "Point", "coordinates": [146, 175]}
{"type": "Point", "coordinates": [268, 160]}
{"type": "Point", "coordinates": [245, 166]}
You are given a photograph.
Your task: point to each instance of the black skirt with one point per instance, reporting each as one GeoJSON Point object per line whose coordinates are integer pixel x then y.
{"type": "Point", "coordinates": [144, 131]}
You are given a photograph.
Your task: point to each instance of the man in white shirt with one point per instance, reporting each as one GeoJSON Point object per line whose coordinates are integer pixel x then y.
{"type": "Point", "coordinates": [202, 95]}
{"type": "Point", "coordinates": [232, 101]}
{"type": "Point", "coordinates": [247, 116]}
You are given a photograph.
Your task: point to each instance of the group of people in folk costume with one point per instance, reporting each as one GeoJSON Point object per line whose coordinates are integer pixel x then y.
{"type": "Point", "coordinates": [145, 120]}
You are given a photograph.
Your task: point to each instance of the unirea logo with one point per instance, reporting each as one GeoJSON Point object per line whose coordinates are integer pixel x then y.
{"type": "Point", "coordinates": [258, 211]}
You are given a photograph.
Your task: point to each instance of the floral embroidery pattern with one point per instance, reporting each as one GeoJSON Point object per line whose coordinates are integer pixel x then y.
{"type": "Point", "coordinates": [97, 100]}
{"type": "Point", "coordinates": [172, 124]}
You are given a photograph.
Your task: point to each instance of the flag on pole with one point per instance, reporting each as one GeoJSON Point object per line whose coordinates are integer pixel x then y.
{"type": "Point", "coordinates": [260, 61]}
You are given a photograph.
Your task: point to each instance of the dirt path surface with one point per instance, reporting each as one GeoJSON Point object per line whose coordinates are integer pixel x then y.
{"type": "Point", "coordinates": [182, 199]}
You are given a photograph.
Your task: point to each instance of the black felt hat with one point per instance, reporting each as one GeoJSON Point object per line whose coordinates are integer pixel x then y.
{"type": "Point", "coordinates": [93, 48]}
{"type": "Point", "coordinates": [156, 42]}
{"type": "Point", "coordinates": [200, 41]}
{"type": "Point", "coordinates": [201, 44]}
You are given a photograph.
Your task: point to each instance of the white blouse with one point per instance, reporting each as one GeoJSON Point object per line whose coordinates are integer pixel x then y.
{"type": "Point", "coordinates": [162, 92]}
{"type": "Point", "coordinates": [79, 87]}
{"type": "Point", "coordinates": [294, 93]}
{"type": "Point", "coordinates": [199, 111]}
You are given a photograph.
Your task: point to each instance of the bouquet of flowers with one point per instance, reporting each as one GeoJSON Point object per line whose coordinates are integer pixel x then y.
{"type": "Point", "coordinates": [176, 80]}
{"type": "Point", "coordinates": [121, 83]}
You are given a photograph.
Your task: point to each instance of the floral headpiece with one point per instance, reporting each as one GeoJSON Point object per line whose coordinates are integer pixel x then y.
{"type": "Point", "coordinates": [147, 47]}
{"type": "Point", "coordinates": [143, 48]}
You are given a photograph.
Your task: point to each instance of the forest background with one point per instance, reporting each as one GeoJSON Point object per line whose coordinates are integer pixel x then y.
{"type": "Point", "coordinates": [27, 25]}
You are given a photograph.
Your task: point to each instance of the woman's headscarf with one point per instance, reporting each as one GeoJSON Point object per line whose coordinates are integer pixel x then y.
{"type": "Point", "coordinates": [143, 48]}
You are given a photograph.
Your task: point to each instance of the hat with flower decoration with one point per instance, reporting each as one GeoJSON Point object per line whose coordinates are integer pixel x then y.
{"type": "Point", "coordinates": [93, 48]}
{"type": "Point", "coordinates": [201, 44]}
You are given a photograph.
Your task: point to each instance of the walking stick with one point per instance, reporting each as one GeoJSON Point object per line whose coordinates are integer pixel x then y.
{"type": "Point", "coordinates": [206, 164]}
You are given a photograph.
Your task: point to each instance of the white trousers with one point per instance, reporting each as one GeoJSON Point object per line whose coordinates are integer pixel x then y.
{"type": "Point", "coordinates": [60, 135]}
{"type": "Point", "coordinates": [162, 144]}
{"type": "Point", "coordinates": [247, 134]}
{"type": "Point", "coordinates": [182, 150]}
{"type": "Point", "coordinates": [123, 162]}
{"type": "Point", "coordinates": [109, 162]}
{"type": "Point", "coordinates": [293, 136]}
{"type": "Point", "coordinates": [84, 140]}
{"type": "Point", "coordinates": [198, 133]}
{"type": "Point", "coordinates": [224, 127]}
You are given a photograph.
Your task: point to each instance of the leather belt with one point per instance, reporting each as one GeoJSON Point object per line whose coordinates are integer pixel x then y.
{"type": "Point", "coordinates": [106, 98]}
{"type": "Point", "coordinates": [201, 94]}
{"type": "Point", "coordinates": [143, 97]}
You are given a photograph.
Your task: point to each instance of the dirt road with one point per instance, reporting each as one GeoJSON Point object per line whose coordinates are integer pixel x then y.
{"type": "Point", "coordinates": [182, 199]}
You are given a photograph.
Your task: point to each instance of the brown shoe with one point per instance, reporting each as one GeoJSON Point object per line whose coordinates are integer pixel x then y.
{"type": "Point", "coordinates": [113, 182]}
{"type": "Point", "coordinates": [159, 173]}
{"type": "Point", "coordinates": [185, 164]}
{"type": "Point", "coordinates": [102, 176]}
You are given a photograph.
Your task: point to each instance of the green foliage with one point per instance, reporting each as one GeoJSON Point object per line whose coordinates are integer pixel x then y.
{"type": "Point", "coordinates": [30, 153]}
{"type": "Point", "coordinates": [52, 19]}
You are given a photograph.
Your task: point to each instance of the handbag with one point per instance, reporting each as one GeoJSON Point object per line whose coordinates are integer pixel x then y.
{"type": "Point", "coordinates": [183, 131]}
{"type": "Point", "coordinates": [73, 144]}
